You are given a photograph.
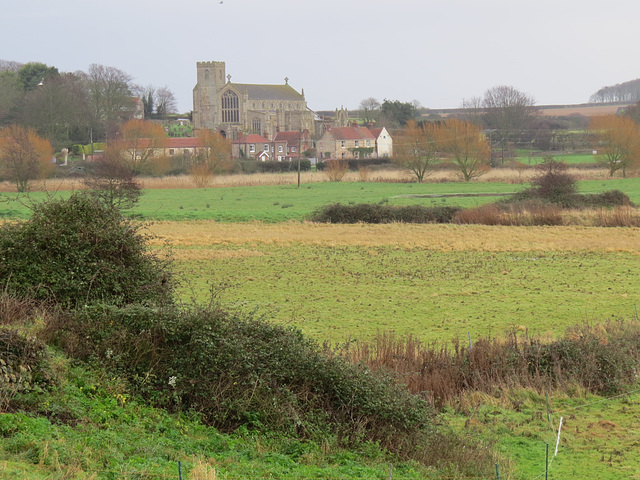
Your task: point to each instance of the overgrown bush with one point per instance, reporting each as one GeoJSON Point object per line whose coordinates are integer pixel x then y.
{"type": "Point", "coordinates": [235, 370]}
{"type": "Point", "coordinates": [376, 213]}
{"type": "Point", "coordinates": [78, 251]}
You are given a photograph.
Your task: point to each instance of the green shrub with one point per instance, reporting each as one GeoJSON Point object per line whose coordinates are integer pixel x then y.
{"type": "Point", "coordinates": [79, 250]}
{"type": "Point", "coordinates": [377, 213]}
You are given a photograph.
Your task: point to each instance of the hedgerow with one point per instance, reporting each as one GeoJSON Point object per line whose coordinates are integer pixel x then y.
{"type": "Point", "coordinates": [235, 371]}
{"type": "Point", "coordinates": [377, 213]}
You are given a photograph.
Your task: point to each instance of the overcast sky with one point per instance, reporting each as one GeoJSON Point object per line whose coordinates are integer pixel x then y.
{"type": "Point", "coordinates": [341, 51]}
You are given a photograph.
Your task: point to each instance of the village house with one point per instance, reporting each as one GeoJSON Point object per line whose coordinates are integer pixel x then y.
{"type": "Point", "coordinates": [296, 144]}
{"type": "Point", "coordinates": [353, 143]}
{"type": "Point", "coordinates": [384, 143]}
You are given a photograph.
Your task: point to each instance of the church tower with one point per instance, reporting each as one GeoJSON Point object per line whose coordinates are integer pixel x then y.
{"type": "Point", "coordinates": [210, 79]}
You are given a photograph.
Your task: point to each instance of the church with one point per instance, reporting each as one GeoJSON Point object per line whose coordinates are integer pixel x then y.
{"type": "Point", "coordinates": [239, 109]}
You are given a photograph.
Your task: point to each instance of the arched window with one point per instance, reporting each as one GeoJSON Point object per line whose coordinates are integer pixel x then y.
{"type": "Point", "coordinates": [256, 126]}
{"type": "Point", "coordinates": [206, 74]}
{"type": "Point", "coordinates": [230, 107]}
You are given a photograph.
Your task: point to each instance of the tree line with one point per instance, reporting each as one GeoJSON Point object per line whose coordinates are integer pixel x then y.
{"type": "Point", "coordinates": [66, 108]}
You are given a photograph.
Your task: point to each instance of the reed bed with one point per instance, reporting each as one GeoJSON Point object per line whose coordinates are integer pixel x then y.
{"type": "Point", "coordinates": [600, 358]}
{"type": "Point", "coordinates": [506, 175]}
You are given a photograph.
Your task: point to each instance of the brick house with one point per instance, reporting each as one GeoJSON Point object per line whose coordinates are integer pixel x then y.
{"type": "Point", "coordinates": [346, 143]}
{"type": "Point", "coordinates": [295, 143]}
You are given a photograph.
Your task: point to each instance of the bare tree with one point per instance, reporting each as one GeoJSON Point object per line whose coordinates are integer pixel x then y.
{"type": "Point", "coordinates": [111, 180]}
{"type": "Point", "coordinates": [57, 109]}
{"type": "Point", "coordinates": [467, 147]}
{"type": "Point", "coordinates": [24, 156]}
{"type": "Point", "coordinates": [369, 109]}
{"type": "Point", "coordinates": [509, 112]}
{"type": "Point", "coordinates": [110, 97]}
{"type": "Point", "coordinates": [165, 101]}
{"type": "Point", "coordinates": [416, 149]}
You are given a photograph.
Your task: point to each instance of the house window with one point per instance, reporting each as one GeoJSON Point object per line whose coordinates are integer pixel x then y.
{"type": "Point", "coordinates": [344, 155]}
{"type": "Point", "coordinates": [252, 148]}
{"type": "Point", "coordinates": [342, 144]}
{"type": "Point", "coordinates": [266, 147]}
{"type": "Point", "coordinates": [293, 149]}
{"type": "Point", "coordinates": [230, 107]}
{"type": "Point", "coordinates": [280, 149]}
{"type": "Point", "coordinates": [171, 151]}
{"type": "Point", "coordinates": [357, 143]}
{"type": "Point", "coordinates": [368, 143]}
{"type": "Point", "coordinates": [256, 125]}
{"type": "Point", "coordinates": [186, 151]}
{"type": "Point", "coordinates": [356, 154]}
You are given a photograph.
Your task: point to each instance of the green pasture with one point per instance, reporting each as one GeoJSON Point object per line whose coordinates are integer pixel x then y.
{"type": "Point", "coordinates": [343, 292]}
{"type": "Point", "coordinates": [280, 203]}
{"type": "Point", "coordinates": [533, 157]}
{"type": "Point", "coordinates": [598, 438]}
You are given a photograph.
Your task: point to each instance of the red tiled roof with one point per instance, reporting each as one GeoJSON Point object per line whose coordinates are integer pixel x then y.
{"type": "Point", "coordinates": [287, 137]}
{"type": "Point", "coordinates": [183, 142]}
{"type": "Point", "coordinates": [253, 138]}
{"type": "Point", "coordinates": [351, 133]}
{"type": "Point", "coordinates": [375, 131]}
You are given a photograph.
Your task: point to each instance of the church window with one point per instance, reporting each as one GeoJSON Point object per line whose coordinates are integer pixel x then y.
{"type": "Point", "coordinates": [230, 107]}
{"type": "Point", "coordinates": [256, 125]}
{"type": "Point", "coordinates": [206, 74]}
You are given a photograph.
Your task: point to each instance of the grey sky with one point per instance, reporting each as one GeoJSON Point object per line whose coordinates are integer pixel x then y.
{"type": "Point", "coordinates": [341, 51]}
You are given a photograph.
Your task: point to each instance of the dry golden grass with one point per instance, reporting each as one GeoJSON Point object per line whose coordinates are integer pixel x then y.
{"type": "Point", "coordinates": [507, 175]}
{"type": "Point", "coordinates": [432, 237]}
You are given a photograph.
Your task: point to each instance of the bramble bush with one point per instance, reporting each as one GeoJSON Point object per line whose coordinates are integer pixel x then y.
{"type": "Point", "coordinates": [235, 371]}
{"type": "Point", "coordinates": [78, 251]}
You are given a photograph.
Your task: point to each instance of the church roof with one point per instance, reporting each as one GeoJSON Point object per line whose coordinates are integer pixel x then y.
{"type": "Point", "coordinates": [268, 92]}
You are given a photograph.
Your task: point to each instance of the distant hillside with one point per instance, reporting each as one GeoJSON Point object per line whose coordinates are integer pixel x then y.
{"type": "Point", "coordinates": [622, 92]}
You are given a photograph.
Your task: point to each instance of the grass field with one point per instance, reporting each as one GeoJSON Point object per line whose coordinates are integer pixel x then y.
{"type": "Point", "coordinates": [280, 203]}
{"type": "Point", "coordinates": [437, 282]}
{"type": "Point", "coordinates": [534, 158]}
{"type": "Point", "coordinates": [339, 282]}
